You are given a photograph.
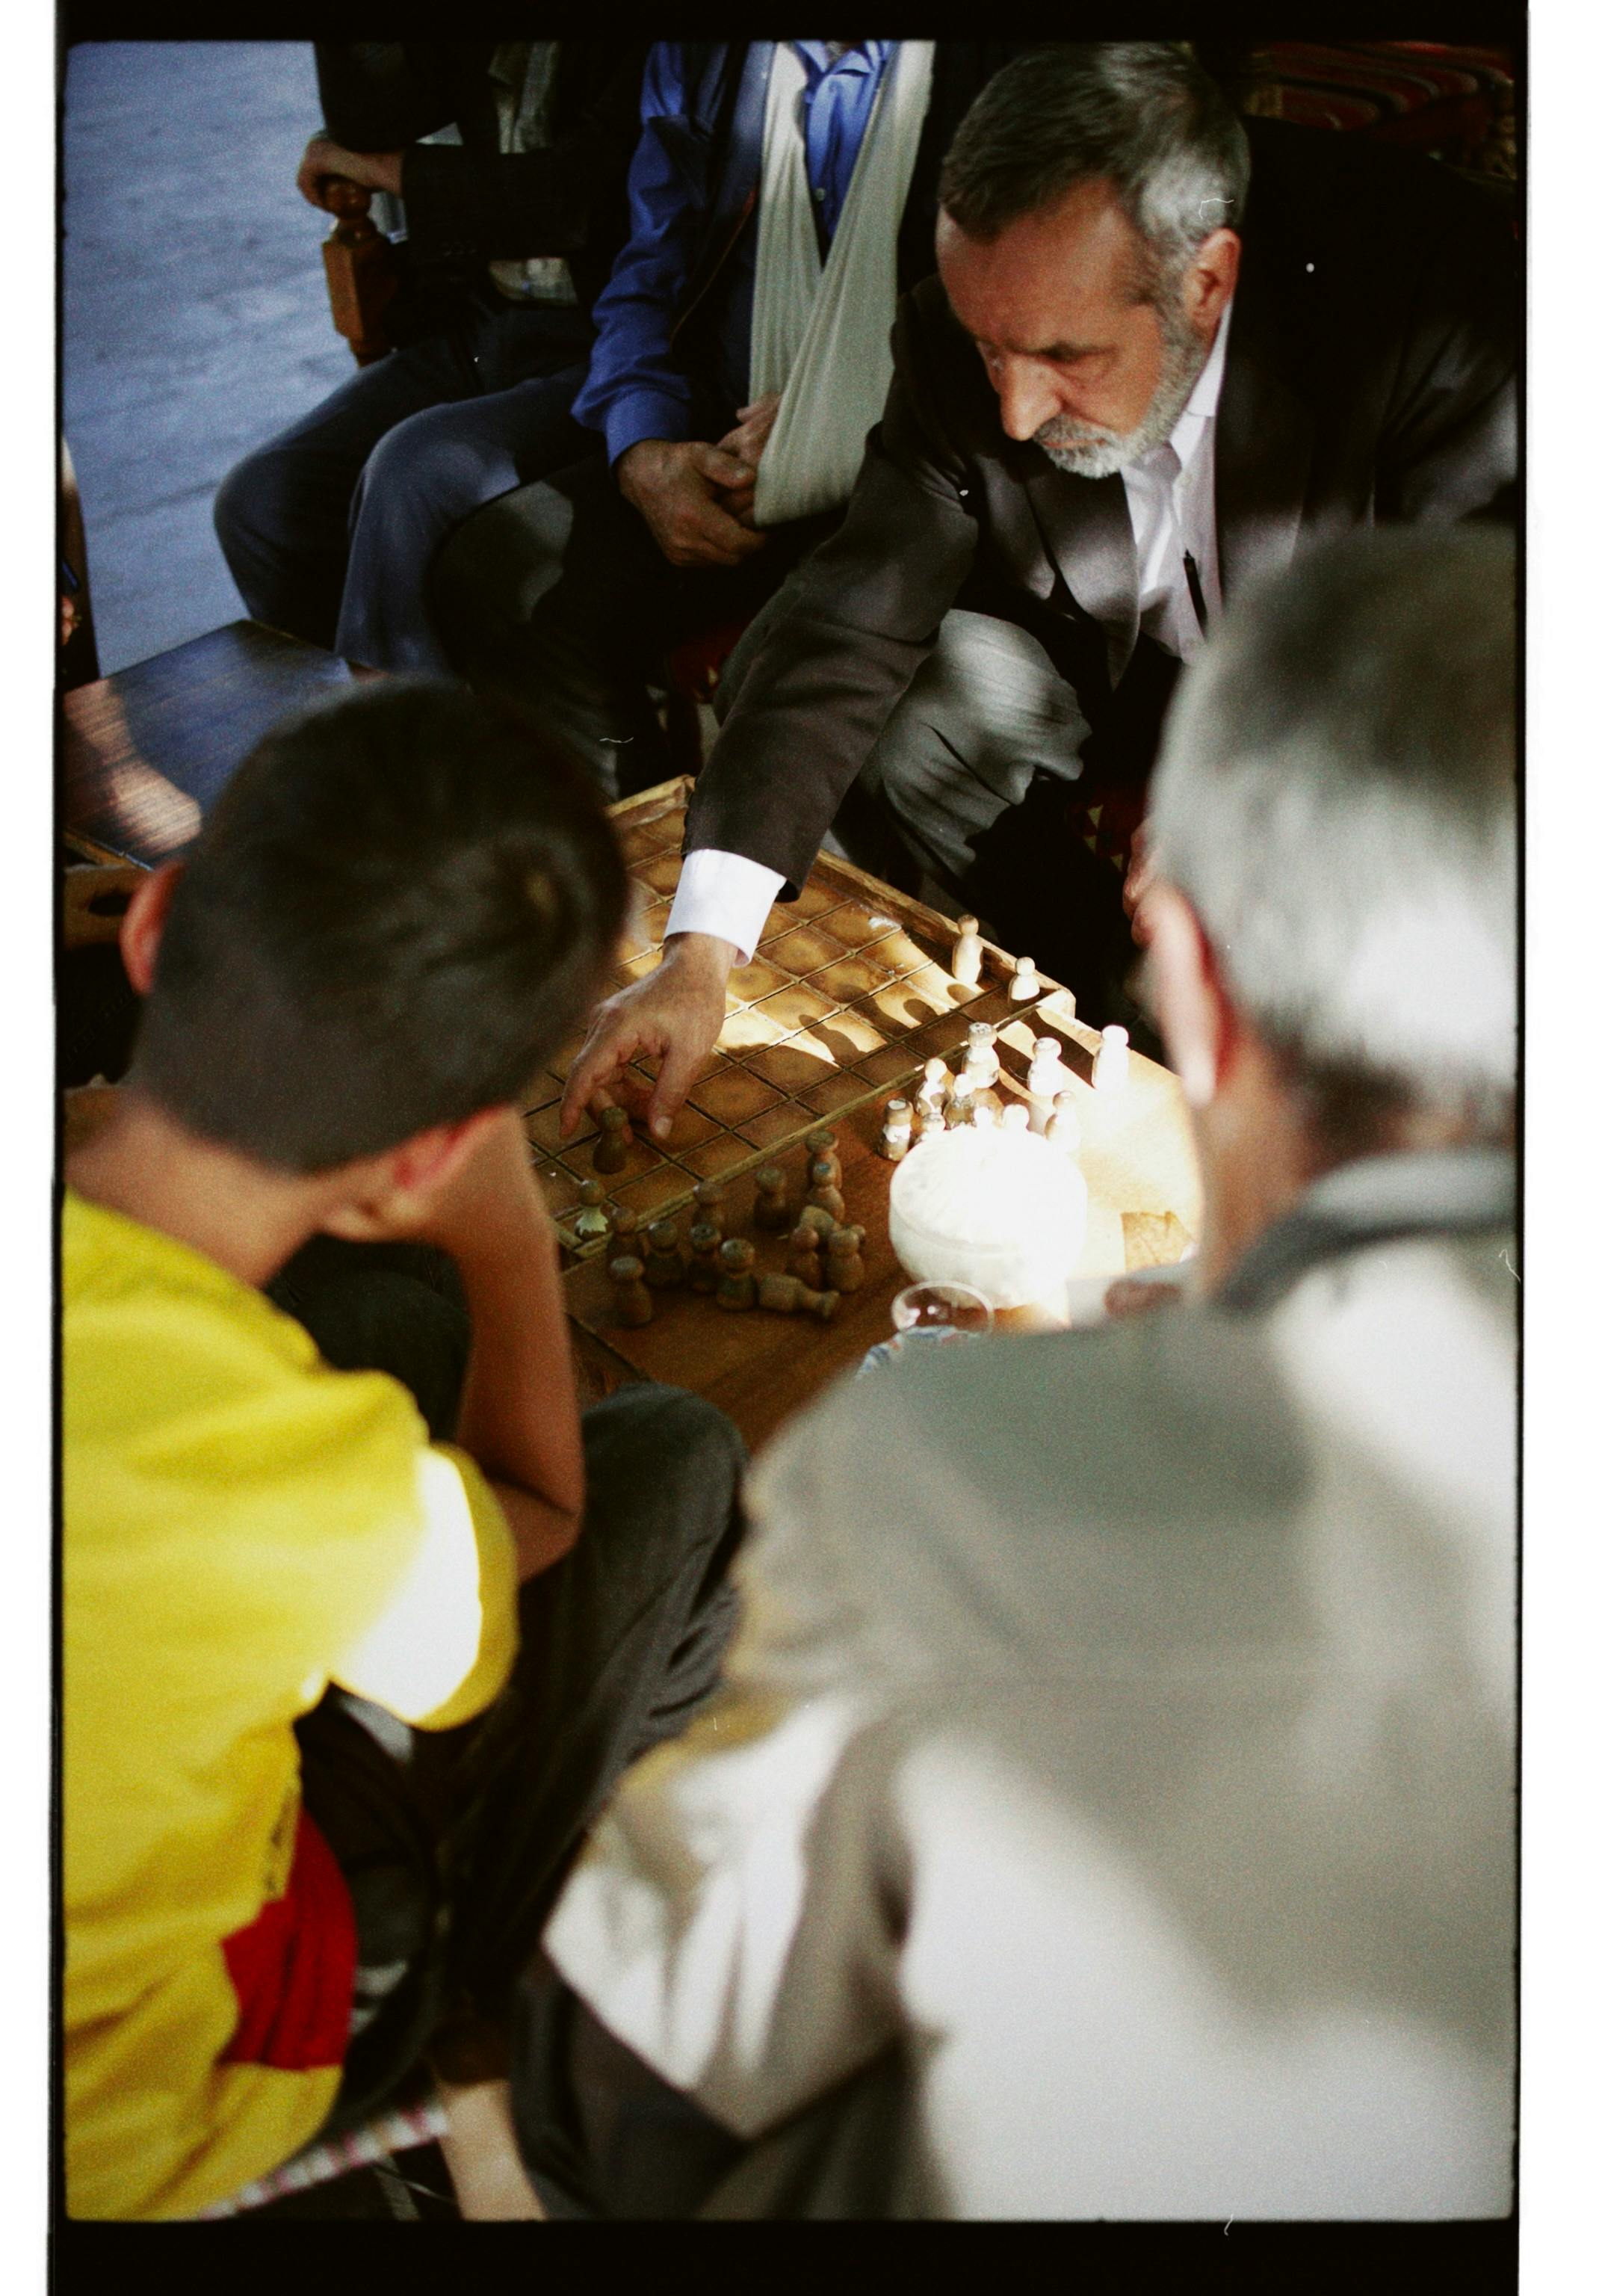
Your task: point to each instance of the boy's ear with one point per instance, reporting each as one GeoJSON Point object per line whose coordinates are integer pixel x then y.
{"type": "Point", "coordinates": [390, 1195]}
{"type": "Point", "coordinates": [143, 922]}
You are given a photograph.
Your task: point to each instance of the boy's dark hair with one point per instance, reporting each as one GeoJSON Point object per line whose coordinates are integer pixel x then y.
{"type": "Point", "coordinates": [400, 904]}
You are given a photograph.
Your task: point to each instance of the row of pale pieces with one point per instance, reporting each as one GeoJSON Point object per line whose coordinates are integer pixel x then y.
{"type": "Point", "coordinates": [1121, 1117]}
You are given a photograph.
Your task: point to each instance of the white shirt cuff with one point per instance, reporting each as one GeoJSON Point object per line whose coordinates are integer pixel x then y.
{"type": "Point", "coordinates": [728, 895]}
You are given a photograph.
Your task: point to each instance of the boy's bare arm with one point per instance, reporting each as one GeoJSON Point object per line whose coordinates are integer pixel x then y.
{"type": "Point", "coordinates": [519, 1415]}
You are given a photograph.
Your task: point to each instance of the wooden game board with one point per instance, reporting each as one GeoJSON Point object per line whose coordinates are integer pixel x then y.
{"type": "Point", "coordinates": [847, 995]}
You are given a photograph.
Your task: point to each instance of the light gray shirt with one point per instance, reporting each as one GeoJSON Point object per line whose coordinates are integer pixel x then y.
{"type": "Point", "coordinates": [1126, 1718]}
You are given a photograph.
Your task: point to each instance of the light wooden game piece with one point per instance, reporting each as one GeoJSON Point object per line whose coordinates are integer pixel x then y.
{"type": "Point", "coordinates": [1047, 1070]}
{"type": "Point", "coordinates": [825, 1193]}
{"type": "Point", "coordinates": [966, 963]}
{"type": "Point", "coordinates": [771, 1200]}
{"type": "Point", "coordinates": [1110, 1061]}
{"type": "Point", "coordinates": [1015, 1116]}
{"type": "Point", "coordinates": [845, 1272]}
{"type": "Point", "coordinates": [933, 1123]}
{"type": "Point", "coordinates": [1025, 983]}
{"type": "Point", "coordinates": [958, 1109]}
{"type": "Point", "coordinates": [634, 1304]}
{"type": "Point", "coordinates": [711, 1199]}
{"type": "Point", "coordinates": [786, 1295]}
{"type": "Point", "coordinates": [664, 1267]}
{"type": "Point", "coordinates": [984, 1110]}
{"type": "Point", "coordinates": [736, 1285]}
{"type": "Point", "coordinates": [591, 1223]}
{"type": "Point", "coordinates": [931, 1091]}
{"type": "Point", "coordinates": [805, 1254]}
{"type": "Point", "coordinates": [624, 1225]}
{"type": "Point", "coordinates": [610, 1151]}
{"type": "Point", "coordinates": [980, 1065]}
{"type": "Point", "coordinates": [1064, 1127]}
{"type": "Point", "coordinates": [704, 1243]}
{"type": "Point", "coordinates": [896, 1140]}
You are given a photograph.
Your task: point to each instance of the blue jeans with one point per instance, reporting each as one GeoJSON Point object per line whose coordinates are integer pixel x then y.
{"type": "Point", "coordinates": [329, 529]}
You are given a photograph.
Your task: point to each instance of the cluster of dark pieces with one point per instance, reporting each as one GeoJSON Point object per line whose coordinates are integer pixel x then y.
{"type": "Point", "coordinates": [820, 1245]}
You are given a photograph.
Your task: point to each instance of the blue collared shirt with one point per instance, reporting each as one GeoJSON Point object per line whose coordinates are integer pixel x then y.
{"type": "Point", "coordinates": [635, 388]}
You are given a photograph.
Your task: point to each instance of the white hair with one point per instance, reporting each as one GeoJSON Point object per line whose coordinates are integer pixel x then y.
{"type": "Point", "coordinates": [1336, 795]}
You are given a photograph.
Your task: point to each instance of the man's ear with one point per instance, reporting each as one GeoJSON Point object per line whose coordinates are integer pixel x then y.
{"type": "Point", "coordinates": [1197, 1018]}
{"type": "Point", "coordinates": [1210, 278]}
{"type": "Point", "coordinates": [392, 1194]}
{"type": "Point", "coordinates": [144, 921]}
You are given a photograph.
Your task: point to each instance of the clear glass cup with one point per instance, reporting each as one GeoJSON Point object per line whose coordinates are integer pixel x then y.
{"type": "Point", "coordinates": [940, 1311]}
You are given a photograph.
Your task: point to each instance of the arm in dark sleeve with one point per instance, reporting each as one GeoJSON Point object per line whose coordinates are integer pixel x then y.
{"type": "Point", "coordinates": [379, 95]}
{"type": "Point", "coordinates": [867, 608]}
{"type": "Point", "coordinates": [490, 205]}
{"type": "Point", "coordinates": [1448, 448]}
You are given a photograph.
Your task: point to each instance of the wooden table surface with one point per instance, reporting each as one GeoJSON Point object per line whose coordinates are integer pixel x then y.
{"type": "Point", "coordinates": [146, 751]}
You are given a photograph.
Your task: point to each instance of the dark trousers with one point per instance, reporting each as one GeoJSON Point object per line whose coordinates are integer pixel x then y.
{"type": "Point", "coordinates": [329, 529]}
{"type": "Point", "coordinates": [454, 1843]}
{"type": "Point", "coordinates": [977, 781]}
{"type": "Point", "coordinates": [559, 595]}
{"type": "Point", "coordinates": [602, 2136]}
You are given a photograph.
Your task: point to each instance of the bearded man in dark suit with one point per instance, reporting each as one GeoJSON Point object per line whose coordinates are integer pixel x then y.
{"type": "Point", "coordinates": [1121, 397]}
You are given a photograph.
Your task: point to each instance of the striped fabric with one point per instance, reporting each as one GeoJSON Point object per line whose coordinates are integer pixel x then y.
{"type": "Point", "coordinates": [398, 2130]}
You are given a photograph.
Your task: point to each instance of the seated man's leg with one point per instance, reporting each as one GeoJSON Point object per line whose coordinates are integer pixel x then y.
{"type": "Point", "coordinates": [550, 595]}
{"type": "Point", "coordinates": [282, 514]}
{"type": "Point", "coordinates": [974, 773]}
{"type": "Point", "coordinates": [434, 469]}
{"type": "Point", "coordinates": [622, 1643]}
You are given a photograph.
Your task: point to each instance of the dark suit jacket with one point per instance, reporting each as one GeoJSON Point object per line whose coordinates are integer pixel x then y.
{"type": "Point", "coordinates": [1371, 376]}
{"type": "Point", "coordinates": [470, 204]}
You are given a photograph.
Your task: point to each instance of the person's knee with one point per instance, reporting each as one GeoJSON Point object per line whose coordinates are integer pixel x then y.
{"type": "Point", "coordinates": [243, 510]}
{"type": "Point", "coordinates": [423, 471]}
{"type": "Point", "coordinates": [668, 1453]}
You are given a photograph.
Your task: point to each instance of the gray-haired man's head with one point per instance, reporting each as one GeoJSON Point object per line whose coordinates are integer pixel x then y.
{"type": "Point", "coordinates": [1336, 798]}
{"type": "Point", "coordinates": [1091, 199]}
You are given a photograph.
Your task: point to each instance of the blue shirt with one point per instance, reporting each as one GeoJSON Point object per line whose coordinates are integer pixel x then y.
{"type": "Point", "coordinates": [635, 388]}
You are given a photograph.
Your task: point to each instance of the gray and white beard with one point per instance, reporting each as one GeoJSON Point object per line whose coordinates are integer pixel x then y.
{"type": "Point", "coordinates": [1089, 451]}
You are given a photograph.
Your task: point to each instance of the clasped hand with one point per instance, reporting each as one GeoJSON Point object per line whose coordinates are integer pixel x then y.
{"type": "Point", "coordinates": [699, 500]}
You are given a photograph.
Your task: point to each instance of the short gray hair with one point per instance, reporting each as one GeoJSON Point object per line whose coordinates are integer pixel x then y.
{"type": "Point", "coordinates": [1140, 115]}
{"type": "Point", "coordinates": [1336, 795]}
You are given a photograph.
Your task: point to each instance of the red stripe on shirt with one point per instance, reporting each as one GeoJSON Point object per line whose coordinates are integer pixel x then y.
{"type": "Point", "coordinates": [293, 1968]}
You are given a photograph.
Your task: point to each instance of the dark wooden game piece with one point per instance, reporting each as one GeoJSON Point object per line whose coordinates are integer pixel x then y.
{"type": "Point", "coordinates": [845, 1272]}
{"type": "Point", "coordinates": [704, 1243]}
{"type": "Point", "coordinates": [771, 1199]}
{"type": "Point", "coordinates": [787, 1295]}
{"type": "Point", "coordinates": [896, 1136]}
{"type": "Point", "coordinates": [805, 1254]}
{"type": "Point", "coordinates": [610, 1151]}
{"type": "Point", "coordinates": [736, 1288]}
{"type": "Point", "coordinates": [593, 1222]}
{"type": "Point", "coordinates": [966, 961]}
{"type": "Point", "coordinates": [710, 1198]}
{"type": "Point", "coordinates": [634, 1304]}
{"type": "Point", "coordinates": [664, 1267]}
{"type": "Point", "coordinates": [623, 1226]}
{"type": "Point", "coordinates": [825, 1193]}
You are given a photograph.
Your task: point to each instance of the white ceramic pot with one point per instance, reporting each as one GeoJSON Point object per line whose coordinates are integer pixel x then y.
{"type": "Point", "coordinates": [1004, 1210]}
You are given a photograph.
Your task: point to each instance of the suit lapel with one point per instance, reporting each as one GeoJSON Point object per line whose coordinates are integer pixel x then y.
{"type": "Point", "coordinates": [1086, 529]}
{"type": "Point", "coordinates": [1264, 437]}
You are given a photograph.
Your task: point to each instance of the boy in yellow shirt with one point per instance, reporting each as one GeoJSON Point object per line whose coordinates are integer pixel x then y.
{"type": "Point", "coordinates": [273, 1581]}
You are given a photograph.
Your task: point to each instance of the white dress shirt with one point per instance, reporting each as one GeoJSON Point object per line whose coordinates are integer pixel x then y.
{"type": "Point", "coordinates": [1171, 501]}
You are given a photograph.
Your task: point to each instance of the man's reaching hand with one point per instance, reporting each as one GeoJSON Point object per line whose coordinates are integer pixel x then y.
{"type": "Point", "coordinates": [379, 171]}
{"type": "Point", "coordinates": [677, 488]}
{"type": "Point", "coordinates": [674, 1014]}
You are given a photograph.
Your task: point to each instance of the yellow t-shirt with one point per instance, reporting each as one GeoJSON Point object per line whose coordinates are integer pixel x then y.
{"type": "Point", "coordinates": [241, 1525]}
